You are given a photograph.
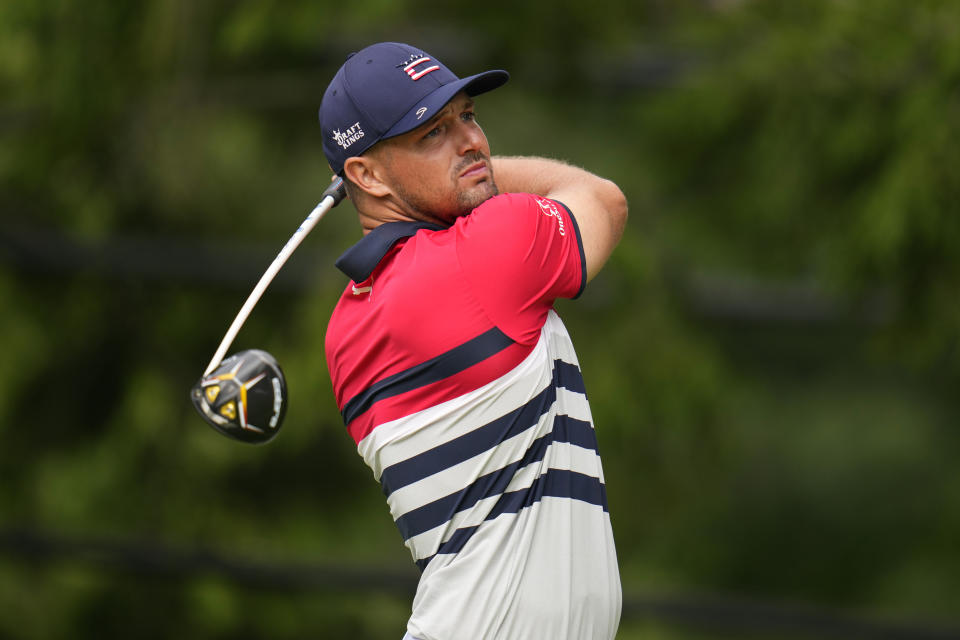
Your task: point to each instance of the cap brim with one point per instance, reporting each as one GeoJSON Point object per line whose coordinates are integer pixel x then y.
{"type": "Point", "coordinates": [429, 106]}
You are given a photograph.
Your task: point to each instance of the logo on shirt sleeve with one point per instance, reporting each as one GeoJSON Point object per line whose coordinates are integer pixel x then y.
{"type": "Point", "coordinates": [549, 208]}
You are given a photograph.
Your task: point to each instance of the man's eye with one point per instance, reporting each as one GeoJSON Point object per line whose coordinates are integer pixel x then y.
{"type": "Point", "coordinates": [433, 133]}
{"type": "Point", "coordinates": [468, 115]}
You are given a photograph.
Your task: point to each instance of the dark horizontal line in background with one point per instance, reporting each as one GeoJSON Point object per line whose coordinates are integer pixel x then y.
{"type": "Point", "coordinates": [155, 560]}
{"type": "Point", "coordinates": [232, 264]}
{"type": "Point", "coordinates": [739, 297]}
{"type": "Point", "coordinates": [238, 265]}
{"type": "Point", "coordinates": [302, 88]}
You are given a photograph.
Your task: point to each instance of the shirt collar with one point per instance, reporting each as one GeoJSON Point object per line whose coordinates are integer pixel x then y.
{"type": "Point", "coordinates": [359, 261]}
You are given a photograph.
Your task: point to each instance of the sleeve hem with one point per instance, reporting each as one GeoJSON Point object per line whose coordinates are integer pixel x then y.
{"type": "Point", "coordinates": [583, 257]}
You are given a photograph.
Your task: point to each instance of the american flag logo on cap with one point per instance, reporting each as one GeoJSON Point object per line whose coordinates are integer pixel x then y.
{"type": "Point", "coordinates": [415, 74]}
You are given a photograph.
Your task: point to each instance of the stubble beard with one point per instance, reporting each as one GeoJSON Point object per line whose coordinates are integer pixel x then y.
{"type": "Point", "coordinates": [467, 201]}
{"type": "Point", "coordinates": [464, 201]}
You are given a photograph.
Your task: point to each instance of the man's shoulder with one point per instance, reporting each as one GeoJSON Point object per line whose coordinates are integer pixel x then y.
{"type": "Point", "coordinates": [513, 209]}
{"type": "Point", "coordinates": [507, 201]}
{"type": "Point", "coordinates": [513, 217]}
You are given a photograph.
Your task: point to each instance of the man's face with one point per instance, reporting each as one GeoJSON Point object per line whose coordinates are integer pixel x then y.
{"type": "Point", "coordinates": [441, 170]}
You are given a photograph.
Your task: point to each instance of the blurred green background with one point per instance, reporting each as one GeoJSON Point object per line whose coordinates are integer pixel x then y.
{"type": "Point", "coordinates": [771, 354]}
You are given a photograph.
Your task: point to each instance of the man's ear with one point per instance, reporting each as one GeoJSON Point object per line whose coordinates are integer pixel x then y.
{"type": "Point", "coordinates": [367, 174]}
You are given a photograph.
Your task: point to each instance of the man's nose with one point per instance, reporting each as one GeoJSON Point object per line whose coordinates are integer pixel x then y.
{"type": "Point", "coordinates": [471, 138]}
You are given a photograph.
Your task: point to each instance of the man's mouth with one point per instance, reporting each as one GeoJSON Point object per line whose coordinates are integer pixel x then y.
{"type": "Point", "coordinates": [475, 170]}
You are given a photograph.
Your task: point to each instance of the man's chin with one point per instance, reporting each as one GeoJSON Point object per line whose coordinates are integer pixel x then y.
{"type": "Point", "coordinates": [470, 200]}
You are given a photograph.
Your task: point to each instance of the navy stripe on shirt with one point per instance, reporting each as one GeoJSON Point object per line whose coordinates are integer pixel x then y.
{"type": "Point", "coordinates": [483, 438]}
{"type": "Point", "coordinates": [433, 514]}
{"type": "Point", "coordinates": [557, 483]}
{"type": "Point", "coordinates": [454, 361]}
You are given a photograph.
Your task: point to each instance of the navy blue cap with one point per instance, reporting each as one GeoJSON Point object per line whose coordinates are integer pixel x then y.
{"type": "Point", "coordinates": [385, 90]}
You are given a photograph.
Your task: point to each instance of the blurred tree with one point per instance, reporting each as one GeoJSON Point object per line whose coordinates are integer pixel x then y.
{"type": "Point", "coordinates": [774, 140]}
{"type": "Point", "coordinates": [817, 142]}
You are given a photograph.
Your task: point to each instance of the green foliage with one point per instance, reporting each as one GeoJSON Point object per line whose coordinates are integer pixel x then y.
{"type": "Point", "coordinates": [828, 131]}
{"type": "Point", "coordinates": [761, 456]}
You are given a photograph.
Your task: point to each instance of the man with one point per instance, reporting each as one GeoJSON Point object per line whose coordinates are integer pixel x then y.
{"type": "Point", "coordinates": [453, 373]}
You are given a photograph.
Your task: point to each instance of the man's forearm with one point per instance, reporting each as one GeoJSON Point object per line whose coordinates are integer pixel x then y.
{"type": "Point", "coordinates": [541, 176]}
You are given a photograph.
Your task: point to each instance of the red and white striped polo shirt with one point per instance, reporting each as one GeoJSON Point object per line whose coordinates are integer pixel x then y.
{"type": "Point", "coordinates": [461, 387]}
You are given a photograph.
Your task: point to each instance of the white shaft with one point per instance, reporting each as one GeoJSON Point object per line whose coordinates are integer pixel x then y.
{"type": "Point", "coordinates": [308, 224]}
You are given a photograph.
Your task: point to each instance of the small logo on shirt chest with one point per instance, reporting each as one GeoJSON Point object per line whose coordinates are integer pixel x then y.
{"type": "Point", "coordinates": [363, 288]}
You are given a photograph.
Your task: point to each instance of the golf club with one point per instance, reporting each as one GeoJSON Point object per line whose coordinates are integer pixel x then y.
{"type": "Point", "coordinates": [245, 396]}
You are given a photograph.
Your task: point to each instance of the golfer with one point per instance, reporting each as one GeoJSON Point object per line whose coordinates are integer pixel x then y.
{"type": "Point", "coordinates": [454, 375]}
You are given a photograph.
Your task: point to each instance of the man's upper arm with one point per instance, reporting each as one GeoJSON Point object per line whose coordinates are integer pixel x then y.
{"type": "Point", "coordinates": [520, 252]}
{"type": "Point", "coordinates": [600, 210]}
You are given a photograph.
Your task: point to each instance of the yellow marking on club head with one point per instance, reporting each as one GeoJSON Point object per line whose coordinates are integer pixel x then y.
{"type": "Point", "coordinates": [212, 392]}
{"type": "Point", "coordinates": [229, 410]}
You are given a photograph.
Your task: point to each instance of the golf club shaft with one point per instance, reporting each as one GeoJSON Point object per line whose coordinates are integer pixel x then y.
{"type": "Point", "coordinates": [331, 197]}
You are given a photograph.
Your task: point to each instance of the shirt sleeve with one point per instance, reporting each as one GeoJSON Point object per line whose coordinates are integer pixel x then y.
{"type": "Point", "coordinates": [520, 252]}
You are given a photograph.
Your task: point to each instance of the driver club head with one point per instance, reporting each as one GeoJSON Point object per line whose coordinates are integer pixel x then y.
{"type": "Point", "coordinates": [244, 398]}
